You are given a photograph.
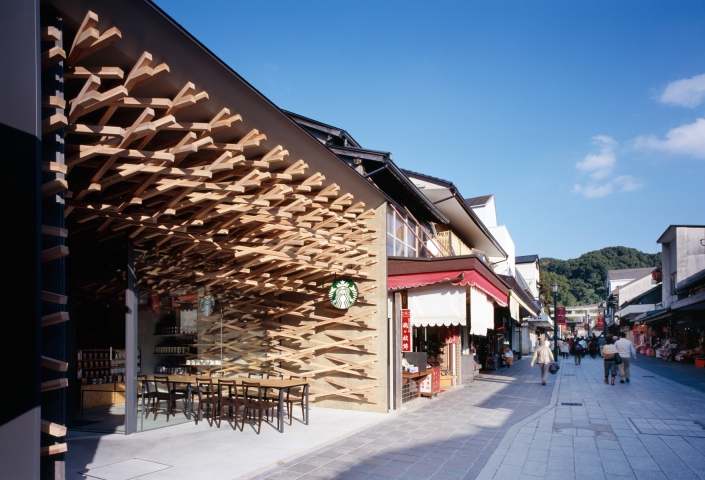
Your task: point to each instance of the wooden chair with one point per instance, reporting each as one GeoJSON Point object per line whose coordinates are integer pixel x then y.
{"type": "Point", "coordinates": [230, 397]}
{"type": "Point", "coordinates": [296, 397]}
{"type": "Point", "coordinates": [166, 393]}
{"type": "Point", "coordinates": [255, 401]}
{"type": "Point", "coordinates": [149, 395]}
{"type": "Point", "coordinates": [262, 376]}
{"type": "Point", "coordinates": [206, 398]}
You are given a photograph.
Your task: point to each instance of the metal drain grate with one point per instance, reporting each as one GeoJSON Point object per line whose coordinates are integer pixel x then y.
{"type": "Point", "coordinates": [568, 374]}
{"type": "Point", "coordinates": [571, 404]}
{"type": "Point", "coordinates": [648, 376]}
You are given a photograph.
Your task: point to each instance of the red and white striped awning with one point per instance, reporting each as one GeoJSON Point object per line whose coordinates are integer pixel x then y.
{"type": "Point", "coordinates": [456, 277]}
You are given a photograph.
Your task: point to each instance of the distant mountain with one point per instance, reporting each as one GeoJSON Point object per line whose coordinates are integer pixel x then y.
{"type": "Point", "coordinates": [581, 281]}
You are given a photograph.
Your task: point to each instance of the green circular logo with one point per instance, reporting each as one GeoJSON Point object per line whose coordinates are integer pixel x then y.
{"type": "Point", "coordinates": [343, 294]}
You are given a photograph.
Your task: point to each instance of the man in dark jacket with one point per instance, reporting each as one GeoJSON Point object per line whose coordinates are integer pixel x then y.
{"type": "Point", "coordinates": [601, 343]}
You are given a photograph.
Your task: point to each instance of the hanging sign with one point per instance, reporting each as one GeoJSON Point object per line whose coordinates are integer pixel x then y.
{"type": "Point", "coordinates": [405, 330]}
{"type": "Point", "coordinates": [560, 315]}
{"type": "Point", "coordinates": [343, 294]}
{"type": "Point", "coordinates": [436, 385]}
{"type": "Point", "coordinates": [155, 300]}
{"type": "Point", "coordinates": [600, 323]}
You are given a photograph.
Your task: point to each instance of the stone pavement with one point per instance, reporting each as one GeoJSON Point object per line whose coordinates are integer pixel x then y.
{"type": "Point", "coordinates": [650, 428]}
{"type": "Point", "coordinates": [684, 373]}
{"type": "Point", "coordinates": [506, 426]}
{"type": "Point", "coordinates": [450, 436]}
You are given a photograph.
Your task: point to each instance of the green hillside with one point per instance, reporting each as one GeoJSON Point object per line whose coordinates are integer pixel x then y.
{"type": "Point", "coordinates": [581, 281]}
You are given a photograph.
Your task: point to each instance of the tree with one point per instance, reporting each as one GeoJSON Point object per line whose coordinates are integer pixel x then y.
{"type": "Point", "coordinates": [564, 296]}
{"type": "Point", "coordinates": [586, 275]}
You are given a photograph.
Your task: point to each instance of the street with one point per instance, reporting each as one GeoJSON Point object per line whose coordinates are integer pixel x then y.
{"type": "Point", "coordinates": [506, 425]}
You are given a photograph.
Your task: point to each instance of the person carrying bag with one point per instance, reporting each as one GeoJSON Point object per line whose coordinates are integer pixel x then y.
{"type": "Point", "coordinates": [610, 354]}
{"type": "Point", "coordinates": [544, 357]}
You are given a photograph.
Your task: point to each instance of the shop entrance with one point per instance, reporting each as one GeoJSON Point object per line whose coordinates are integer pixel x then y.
{"type": "Point", "coordinates": [96, 275]}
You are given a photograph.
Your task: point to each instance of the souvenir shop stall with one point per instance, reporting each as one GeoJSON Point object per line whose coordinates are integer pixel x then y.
{"type": "Point", "coordinates": [448, 313]}
{"type": "Point", "coordinates": [680, 345]}
{"type": "Point", "coordinates": [430, 365]}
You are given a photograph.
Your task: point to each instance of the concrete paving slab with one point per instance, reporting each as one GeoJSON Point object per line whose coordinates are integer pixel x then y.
{"type": "Point", "coordinates": [125, 470]}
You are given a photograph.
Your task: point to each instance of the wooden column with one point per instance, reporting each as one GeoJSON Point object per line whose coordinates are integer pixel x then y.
{"type": "Point", "coordinates": [396, 351]}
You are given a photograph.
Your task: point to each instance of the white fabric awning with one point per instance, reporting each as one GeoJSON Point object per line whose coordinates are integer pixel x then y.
{"type": "Point", "coordinates": [481, 313]}
{"type": "Point", "coordinates": [437, 305]}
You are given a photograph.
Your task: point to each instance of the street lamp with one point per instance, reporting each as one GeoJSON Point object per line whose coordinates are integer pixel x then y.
{"type": "Point", "coordinates": [556, 332]}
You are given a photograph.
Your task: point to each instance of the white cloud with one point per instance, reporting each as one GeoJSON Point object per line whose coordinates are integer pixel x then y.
{"type": "Point", "coordinates": [593, 191]}
{"type": "Point", "coordinates": [688, 139]}
{"type": "Point", "coordinates": [599, 165]}
{"type": "Point", "coordinates": [627, 183]}
{"type": "Point", "coordinates": [623, 183]}
{"type": "Point", "coordinates": [688, 92]}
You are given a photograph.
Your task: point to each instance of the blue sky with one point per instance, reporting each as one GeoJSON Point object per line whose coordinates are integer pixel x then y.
{"type": "Point", "coordinates": [586, 119]}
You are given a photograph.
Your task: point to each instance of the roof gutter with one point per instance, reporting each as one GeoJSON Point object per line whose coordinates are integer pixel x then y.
{"type": "Point", "coordinates": [389, 165]}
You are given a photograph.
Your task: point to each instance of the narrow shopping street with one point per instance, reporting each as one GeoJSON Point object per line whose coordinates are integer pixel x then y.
{"type": "Point", "coordinates": [505, 425]}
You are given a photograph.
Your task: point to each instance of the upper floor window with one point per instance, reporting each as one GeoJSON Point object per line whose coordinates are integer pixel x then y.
{"type": "Point", "coordinates": [403, 236]}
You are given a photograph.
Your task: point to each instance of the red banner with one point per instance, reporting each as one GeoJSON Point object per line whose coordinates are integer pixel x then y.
{"type": "Point", "coordinates": [436, 379]}
{"type": "Point", "coordinates": [600, 323]}
{"type": "Point", "coordinates": [560, 315]}
{"type": "Point", "coordinates": [155, 300]}
{"type": "Point", "coordinates": [405, 330]}
{"type": "Point", "coordinates": [451, 335]}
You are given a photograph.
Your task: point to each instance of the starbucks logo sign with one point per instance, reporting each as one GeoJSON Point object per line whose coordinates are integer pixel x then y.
{"type": "Point", "coordinates": [343, 294]}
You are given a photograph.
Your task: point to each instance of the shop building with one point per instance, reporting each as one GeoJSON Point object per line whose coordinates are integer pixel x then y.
{"type": "Point", "coordinates": [675, 329]}
{"type": "Point", "coordinates": [584, 320]}
{"type": "Point", "coordinates": [530, 269]}
{"type": "Point", "coordinates": [444, 250]}
{"type": "Point", "coordinates": [174, 220]}
{"type": "Point", "coordinates": [634, 280]}
{"type": "Point", "coordinates": [535, 326]}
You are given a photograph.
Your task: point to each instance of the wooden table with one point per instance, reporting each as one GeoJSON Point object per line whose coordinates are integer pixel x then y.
{"type": "Point", "coordinates": [274, 383]}
{"type": "Point", "coordinates": [418, 377]}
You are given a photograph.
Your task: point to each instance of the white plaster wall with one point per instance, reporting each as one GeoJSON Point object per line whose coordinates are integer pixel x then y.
{"type": "Point", "coordinates": [690, 255]}
{"type": "Point", "coordinates": [531, 274]}
{"type": "Point", "coordinates": [501, 234]}
{"type": "Point", "coordinates": [613, 284]}
{"type": "Point", "coordinates": [487, 213]}
{"type": "Point", "coordinates": [638, 287]}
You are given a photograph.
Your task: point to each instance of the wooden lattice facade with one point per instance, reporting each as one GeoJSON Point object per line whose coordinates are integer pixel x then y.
{"type": "Point", "coordinates": [215, 207]}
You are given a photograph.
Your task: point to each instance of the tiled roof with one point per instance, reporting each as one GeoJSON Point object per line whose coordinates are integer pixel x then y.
{"type": "Point", "coordinates": [526, 259]}
{"type": "Point", "coordinates": [629, 273]}
{"type": "Point", "coordinates": [478, 201]}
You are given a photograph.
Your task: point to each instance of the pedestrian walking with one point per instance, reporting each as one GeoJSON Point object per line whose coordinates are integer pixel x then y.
{"type": "Point", "coordinates": [578, 352]}
{"type": "Point", "coordinates": [609, 354]}
{"type": "Point", "coordinates": [544, 357]}
{"type": "Point", "coordinates": [625, 348]}
{"type": "Point", "coordinates": [601, 343]}
{"type": "Point", "coordinates": [593, 348]}
{"type": "Point", "coordinates": [565, 349]}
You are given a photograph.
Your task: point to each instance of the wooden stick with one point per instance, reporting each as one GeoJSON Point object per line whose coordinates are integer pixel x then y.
{"type": "Point", "coordinates": [53, 449]}
{"type": "Point", "coordinates": [54, 364]}
{"type": "Point", "coordinates": [53, 429]}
